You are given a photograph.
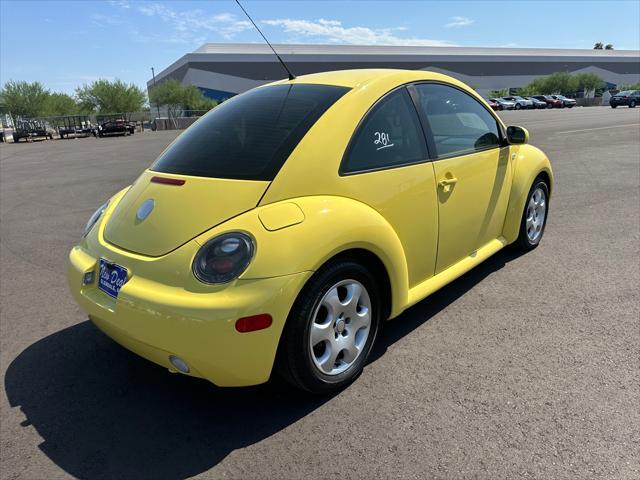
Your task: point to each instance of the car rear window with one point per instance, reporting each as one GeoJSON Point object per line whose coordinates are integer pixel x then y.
{"type": "Point", "coordinates": [250, 136]}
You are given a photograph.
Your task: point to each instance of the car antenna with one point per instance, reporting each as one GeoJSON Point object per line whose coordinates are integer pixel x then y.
{"type": "Point", "coordinates": [284, 65]}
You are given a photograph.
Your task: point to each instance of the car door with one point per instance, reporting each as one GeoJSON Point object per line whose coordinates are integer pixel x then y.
{"type": "Point", "coordinates": [387, 167]}
{"type": "Point", "coordinates": [472, 170]}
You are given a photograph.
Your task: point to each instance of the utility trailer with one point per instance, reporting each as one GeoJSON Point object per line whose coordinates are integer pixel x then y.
{"type": "Point", "coordinates": [76, 125]}
{"type": "Point", "coordinates": [31, 129]}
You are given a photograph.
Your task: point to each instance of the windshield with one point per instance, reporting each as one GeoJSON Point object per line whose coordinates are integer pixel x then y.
{"type": "Point", "coordinates": [250, 136]}
{"type": "Point", "coordinates": [624, 94]}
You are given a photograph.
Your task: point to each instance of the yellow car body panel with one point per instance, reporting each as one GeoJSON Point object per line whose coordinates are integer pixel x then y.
{"type": "Point", "coordinates": [423, 236]}
{"type": "Point", "coordinates": [471, 215]}
{"type": "Point", "coordinates": [189, 209]}
{"type": "Point", "coordinates": [306, 246]}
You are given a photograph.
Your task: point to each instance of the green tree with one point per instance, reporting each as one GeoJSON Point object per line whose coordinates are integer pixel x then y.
{"type": "Point", "coordinates": [194, 99]}
{"type": "Point", "coordinates": [537, 87]}
{"type": "Point", "coordinates": [176, 97]}
{"type": "Point", "coordinates": [104, 96]}
{"type": "Point", "coordinates": [588, 81]}
{"type": "Point", "coordinates": [608, 46]}
{"type": "Point", "coordinates": [563, 82]}
{"type": "Point", "coordinates": [23, 99]}
{"type": "Point", "coordinates": [598, 46]}
{"type": "Point", "coordinates": [170, 94]}
{"type": "Point", "coordinates": [559, 82]}
{"type": "Point", "coordinates": [498, 93]}
{"type": "Point", "coordinates": [58, 104]}
{"type": "Point", "coordinates": [630, 86]}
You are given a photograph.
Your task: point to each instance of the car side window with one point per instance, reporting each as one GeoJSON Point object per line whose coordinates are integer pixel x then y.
{"type": "Point", "coordinates": [459, 123]}
{"type": "Point", "coordinates": [390, 135]}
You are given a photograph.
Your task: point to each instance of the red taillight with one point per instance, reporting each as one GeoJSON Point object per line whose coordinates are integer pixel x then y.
{"type": "Point", "coordinates": [253, 323]}
{"type": "Point", "coordinates": [222, 265]}
{"type": "Point", "coordinates": [167, 181]}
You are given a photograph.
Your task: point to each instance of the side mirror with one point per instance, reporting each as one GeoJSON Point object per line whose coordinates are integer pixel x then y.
{"type": "Point", "coordinates": [517, 135]}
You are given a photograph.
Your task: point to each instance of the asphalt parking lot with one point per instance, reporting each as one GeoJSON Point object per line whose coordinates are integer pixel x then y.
{"type": "Point", "coordinates": [526, 367]}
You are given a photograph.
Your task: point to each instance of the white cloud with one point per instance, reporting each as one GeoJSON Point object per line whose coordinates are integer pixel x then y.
{"type": "Point", "coordinates": [459, 22]}
{"type": "Point", "coordinates": [120, 3]}
{"type": "Point", "coordinates": [191, 26]}
{"type": "Point", "coordinates": [333, 31]}
{"type": "Point", "coordinates": [105, 20]}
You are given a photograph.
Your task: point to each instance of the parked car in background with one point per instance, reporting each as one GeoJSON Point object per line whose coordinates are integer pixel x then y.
{"type": "Point", "coordinates": [519, 102]}
{"type": "Point", "coordinates": [503, 104]}
{"type": "Point", "coordinates": [493, 104]}
{"type": "Point", "coordinates": [566, 102]}
{"type": "Point", "coordinates": [549, 100]}
{"type": "Point", "coordinates": [113, 127]}
{"type": "Point", "coordinates": [537, 103]}
{"type": "Point", "coordinates": [626, 97]}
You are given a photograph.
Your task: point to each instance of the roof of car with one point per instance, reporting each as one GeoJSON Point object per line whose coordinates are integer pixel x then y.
{"type": "Point", "coordinates": [358, 77]}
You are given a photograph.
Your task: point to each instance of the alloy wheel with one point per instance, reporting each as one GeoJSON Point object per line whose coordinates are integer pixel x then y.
{"type": "Point", "coordinates": [536, 213]}
{"type": "Point", "coordinates": [340, 327]}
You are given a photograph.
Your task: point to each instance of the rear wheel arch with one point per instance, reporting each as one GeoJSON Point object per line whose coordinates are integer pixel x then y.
{"type": "Point", "coordinates": [376, 267]}
{"type": "Point", "coordinates": [286, 364]}
{"type": "Point", "coordinates": [372, 263]}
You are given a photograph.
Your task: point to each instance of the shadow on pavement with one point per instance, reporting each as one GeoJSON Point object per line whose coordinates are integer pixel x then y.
{"type": "Point", "coordinates": [105, 413]}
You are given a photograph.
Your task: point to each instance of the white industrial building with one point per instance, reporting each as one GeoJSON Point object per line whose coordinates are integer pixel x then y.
{"type": "Point", "coordinates": [222, 70]}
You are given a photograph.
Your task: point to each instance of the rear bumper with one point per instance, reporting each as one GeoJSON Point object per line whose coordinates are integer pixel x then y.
{"type": "Point", "coordinates": [155, 321]}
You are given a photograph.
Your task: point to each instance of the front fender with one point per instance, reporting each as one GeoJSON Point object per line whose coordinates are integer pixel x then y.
{"type": "Point", "coordinates": [528, 163]}
{"type": "Point", "coordinates": [328, 226]}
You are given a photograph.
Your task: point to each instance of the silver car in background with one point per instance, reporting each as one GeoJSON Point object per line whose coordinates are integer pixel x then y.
{"type": "Point", "coordinates": [537, 103]}
{"type": "Point", "coordinates": [503, 104]}
{"type": "Point", "coordinates": [519, 102]}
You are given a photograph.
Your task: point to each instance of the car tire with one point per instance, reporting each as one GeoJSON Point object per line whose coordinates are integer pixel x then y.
{"type": "Point", "coordinates": [518, 107]}
{"type": "Point", "coordinates": [323, 313]}
{"type": "Point", "coordinates": [534, 216]}
{"type": "Point", "coordinates": [613, 106]}
{"type": "Point", "coordinates": [500, 107]}
{"type": "Point", "coordinates": [632, 104]}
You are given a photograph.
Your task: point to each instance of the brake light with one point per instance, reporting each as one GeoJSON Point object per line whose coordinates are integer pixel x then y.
{"type": "Point", "coordinates": [167, 180]}
{"type": "Point", "coordinates": [253, 323]}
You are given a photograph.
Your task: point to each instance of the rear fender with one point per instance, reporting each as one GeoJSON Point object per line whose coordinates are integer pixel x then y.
{"type": "Point", "coordinates": [330, 225]}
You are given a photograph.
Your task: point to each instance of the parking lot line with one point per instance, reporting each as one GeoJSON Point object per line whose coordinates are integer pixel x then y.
{"type": "Point", "coordinates": [600, 128]}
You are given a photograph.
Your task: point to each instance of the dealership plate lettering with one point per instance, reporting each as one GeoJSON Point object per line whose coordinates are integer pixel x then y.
{"type": "Point", "coordinates": [111, 277]}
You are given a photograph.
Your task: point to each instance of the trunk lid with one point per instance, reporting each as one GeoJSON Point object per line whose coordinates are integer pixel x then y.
{"type": "Point", "coordinates": [176, 213]}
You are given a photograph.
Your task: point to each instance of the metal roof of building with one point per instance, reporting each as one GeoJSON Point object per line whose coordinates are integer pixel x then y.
{"type": "Point", "coordinates": [315, 49]}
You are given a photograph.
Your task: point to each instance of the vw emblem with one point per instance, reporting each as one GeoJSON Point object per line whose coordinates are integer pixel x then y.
{"type": "Point", "coordinates": [145, 209]}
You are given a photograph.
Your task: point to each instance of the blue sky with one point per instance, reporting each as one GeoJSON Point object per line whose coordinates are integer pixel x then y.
{"type": "Point", "coordinates": [67, 43]}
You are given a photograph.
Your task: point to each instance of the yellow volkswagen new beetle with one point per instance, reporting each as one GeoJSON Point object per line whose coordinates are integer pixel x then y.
{"type": "Point", "coordinates": [279, 231]}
